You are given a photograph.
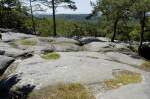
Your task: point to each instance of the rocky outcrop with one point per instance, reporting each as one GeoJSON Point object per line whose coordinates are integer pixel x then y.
{"type": "Point", "coordinates": [10, 36]}
{"type": "Point", "coordinates": [105, 46]}
{"type": "Point", "coordinates": [4, 63]}
{"type": "Point", "coordinates": [87, 60]}
{"type": "Point", "coordinates": [8, 50]}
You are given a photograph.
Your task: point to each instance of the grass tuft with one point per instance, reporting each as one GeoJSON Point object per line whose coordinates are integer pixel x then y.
{"type": "Point", "coordinates": [122, 78]}
{"type": "Point", "coordinates": [146, 66]}
{"type": "Point", "coordinates": [50, 56]}
{"type": "Point", "coordinates": [62, 91]}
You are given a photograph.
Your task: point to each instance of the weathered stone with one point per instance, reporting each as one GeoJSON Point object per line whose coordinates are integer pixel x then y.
{"type": "Point", "coordinates": [98, 46]}
{"type": "Point", "coordinates": [10, 51]}
{"type": "Point", "coordinates": [4, 63]}
{"type": "Point", "coordinates": [123, 58]}
{"type": "Point", "coordinates": [86, 40]}
{"type": "Point", "coordinates": [10, 36]}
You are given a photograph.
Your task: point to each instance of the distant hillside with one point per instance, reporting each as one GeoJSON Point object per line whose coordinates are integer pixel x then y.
{"type": "Point", "coordinates": [73, 17]}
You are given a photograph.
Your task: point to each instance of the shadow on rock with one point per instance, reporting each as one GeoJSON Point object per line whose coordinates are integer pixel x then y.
{"type": "Point", "coordinates": [6, 91]}
{"type": "Point", "coordinates": [22, 93]}
{"type": "Point", "coordinates": [144, 51]}
{"type": "Point", "coordinates": [6, 84]}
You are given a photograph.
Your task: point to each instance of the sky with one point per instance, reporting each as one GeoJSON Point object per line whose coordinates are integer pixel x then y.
{"type": "Point", "coordinates": [83, 6]}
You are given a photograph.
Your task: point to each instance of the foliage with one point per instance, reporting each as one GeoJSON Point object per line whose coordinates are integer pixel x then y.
{"type": "Point", "coordinates": [114, 11]}
{"type": "Point", "coordinates": [11, 13]}
{"type": "Point", "coordinates": [127, 13]}
{"type": "Point", "coordinates": [67, 28]}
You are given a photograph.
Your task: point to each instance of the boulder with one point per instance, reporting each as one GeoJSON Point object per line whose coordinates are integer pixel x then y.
{"type": "Point", "coordinates": [121, 46]}
{"type": "Point", "coordinates": [86, 40]}
{"type": "Point", "coordinates": [105, 46]}
{"type": "Point", "coordinates": [10, 36]}
{"type": "Point", "coordinates": [57, 40]}
{"type": "Point", "coordinates": [5, 30]}
{"type": "Point", "coordinates": [4, 63]}
{"type": "Point", "coordinates": [40, 49]}
{"type": "Point", "coordinates": [103, 39]}
{"type": "Point", "coordinates": [8, 50]}
{"type": "Point", "coordinates": [60, 44]}
{"type": "Point", "coordinates": [98, 46]}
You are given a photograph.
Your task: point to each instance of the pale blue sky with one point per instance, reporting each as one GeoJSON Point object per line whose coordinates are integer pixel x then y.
{"type": "Point", "coordinates": [84, 7]}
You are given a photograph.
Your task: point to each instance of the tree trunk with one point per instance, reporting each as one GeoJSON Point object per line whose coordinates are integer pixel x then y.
{"type": "Point", "coordinates": [54, 18]}
{"type": "Point", "coordinates": [32, 16]}
{"type": "Point", "coordinates": [115, 29]}
{"type": "Point", "coordinates": [142, 23]}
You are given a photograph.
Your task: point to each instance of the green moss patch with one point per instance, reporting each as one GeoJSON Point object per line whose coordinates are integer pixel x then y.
{"type": "Point", "coordinates": [50, 56]}
{"type": "Point", "coordinates": [62, 91]}
{"type": "Point", "coordinates": [122, 78]}
{"type": "Point", "coordinates": [145, 66]}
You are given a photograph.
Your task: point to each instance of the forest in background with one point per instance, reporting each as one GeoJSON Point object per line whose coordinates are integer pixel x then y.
{"type": "Point", "coordinates": [14, 15]}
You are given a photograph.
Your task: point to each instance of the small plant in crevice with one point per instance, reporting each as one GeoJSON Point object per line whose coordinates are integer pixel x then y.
{"type": "Point", "coordinates": [50, 56]}
{"type": "Point", "coordinates": [122, 78]}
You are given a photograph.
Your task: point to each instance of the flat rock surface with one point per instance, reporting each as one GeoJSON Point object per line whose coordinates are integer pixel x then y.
{"type": "Point", "coordinates": [85, 67]}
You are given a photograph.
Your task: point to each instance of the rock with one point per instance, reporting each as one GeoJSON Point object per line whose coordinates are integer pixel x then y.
{"type": "Point", "coordinates": [60, 44]}
{"type": "Point", "coordinates": [5, 30]}
{"type": "Point", "coordinates": [105, 46]}
{"type": "Point", "coordinates": [121, 46]}
{"type": "Point", "coordinates": [2, 52]}
{"type": "Point", "coordinates": [146, 44]}
{"type": "Point", "coordinates": [40, 49]}
{"type": "Point", "coordinates": [132, 91]}
{"type": "Point", "coordinates": [86, 40]}
{"type": "Point", "coordinates": [65, 47]}
{"type": "Point", "coordinates": [98, 46]}
{"type": "Point", "coordinates": [126, 59]}
{"type": "Point", "coordinates": [65, 40]}
{"type": "Point", "coordinates": [103, 39]}
{"type": "Point", "coordinates": [10, 51]}
{"type": "Point", "coordinates": [58, 40]}
{"type": "Point", "coordinates": [4, 63]}
{"type": "Point", "coordinates": [84, 67]}
{"type": "Point", "coordinates": [10, 36]}
{"type": "Point", "coordinates": [76, 38]}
